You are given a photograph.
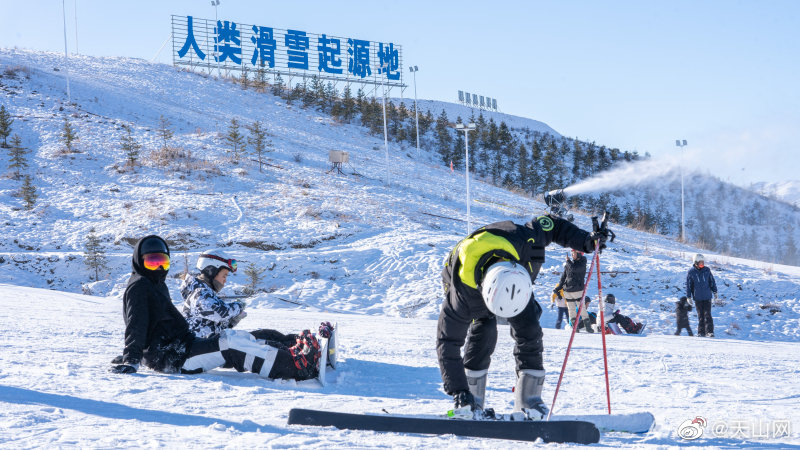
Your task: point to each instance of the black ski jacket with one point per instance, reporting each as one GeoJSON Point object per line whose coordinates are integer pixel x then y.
{"type": "Point", "coordinates": [463, 273]}
{"type": "Point", "coordinates": [682, 308]}
{"type": "Point", "coordinates": [155, 332]}
{"type": "Point", "coordinates": [574, 275]}
{"type": "Point", "coordinates": [700, 284]}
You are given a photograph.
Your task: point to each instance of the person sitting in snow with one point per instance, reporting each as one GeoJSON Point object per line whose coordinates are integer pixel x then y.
{"type": "Point", "coordinates": [490, 274]}
{"type": "Point", "coordinates": [158, 336]}
{"type": "Point", "coordinates": [592, 316]}
{"type": "Point", "coordinates": [208, 315]}
{"type": "Point", "coordinates": [682, 308]}
{"type": "Point", "coordinates": [625, 322]}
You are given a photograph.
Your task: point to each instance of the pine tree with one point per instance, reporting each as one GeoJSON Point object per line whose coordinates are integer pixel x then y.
{"type": "Point", "coordinates": [425, 123]}
{"type": "Point", "coordinates": [279, 86]}
{"type": "Point", "coordinates": [537, 173]}
{"type": "Point", "coordinates": [5, 124]}
{"type": "Point", "coordinates": [254, 275]}
{"type": "Point", "coordinates": [130, 147]}
{"type": "Point", "coordinates": [348, 104]}
{"type": "Point", "coordinates": [457, 154]}
{"type": "Point", "coordinates": [94, 255]}
{"type": "Point", "coordinates": [260, 80]}
{"type": "Point", "coordinates": [235, 139]}
{"type": "Point", "coordinates": [258, 142]}
{"type": "Point", "coordinates": [244, 78]}
{"type": "Point", "coordinates": [524, 178]}
{"type": "Point", "coordinates": [163, 131]}
{"type": "Point", "coordinates": [443, 137]}
{"type": "Point", "coordinates": [29, 194]}
{"type": "Point", "coordinates": [17, 160]}
{"type": "Point", "coordinates": [68, 136]}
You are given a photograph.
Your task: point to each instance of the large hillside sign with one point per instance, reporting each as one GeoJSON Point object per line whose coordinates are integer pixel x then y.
{"type": "Point", "coordinates": [225, 46]}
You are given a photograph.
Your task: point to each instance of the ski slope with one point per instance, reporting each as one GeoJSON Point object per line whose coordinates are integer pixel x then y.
{"type": "Point", "coordinates": [55, 390]}
{"type": "Point", "coordinates": [364, 249]}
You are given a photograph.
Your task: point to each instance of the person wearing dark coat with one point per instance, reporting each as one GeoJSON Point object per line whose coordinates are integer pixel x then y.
{"type": "Point", "coordinates": [572, 282]}
{"type": "Point", "coordinates": [701, 287]}
{"type": "Point", "coordinates": [466, 316]}
{"type": "Point", "coordinates": [682, 308]}
{"type": "Point", "coordinates": [158, 336]}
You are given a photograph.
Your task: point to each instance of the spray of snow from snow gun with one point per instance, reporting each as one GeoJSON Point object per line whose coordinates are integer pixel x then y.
{"type": "Point", "coordinates": [637, 173]}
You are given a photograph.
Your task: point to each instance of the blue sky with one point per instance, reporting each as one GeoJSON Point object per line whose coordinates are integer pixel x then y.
{"type": "Point", "coordinates": [628, 74]}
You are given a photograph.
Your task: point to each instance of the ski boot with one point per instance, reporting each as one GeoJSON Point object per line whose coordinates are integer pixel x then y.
{"type": "Point", "coordinates": [587, 323]}
{"type": "Point", "coordinates": [528, 394]}
{"type": "Point", "coordinates": [306, 355]}
{"type": "Point", "coordinates": [325, 329]}
{"type": "Point", "coordinates": [476, 381]}
{"type": "Point", "coordinates": [465, 407]}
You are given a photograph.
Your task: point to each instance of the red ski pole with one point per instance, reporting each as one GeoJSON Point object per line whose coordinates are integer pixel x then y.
{"type": "Point", "coordinates": [571, 338]}
{"type": "Point", "coordinates": [602, 322]}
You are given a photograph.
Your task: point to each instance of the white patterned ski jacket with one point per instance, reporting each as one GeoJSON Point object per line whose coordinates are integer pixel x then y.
{"type": "Point", "coordinates": [205, 312]}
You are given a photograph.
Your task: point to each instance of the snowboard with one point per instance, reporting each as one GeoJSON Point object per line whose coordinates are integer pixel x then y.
{"type": "Point", "coordinates": [528, 430]}
{"type": "Point", "coordinates": [625, 423]}
{"type": "Point", "coordinates": [327, 350]}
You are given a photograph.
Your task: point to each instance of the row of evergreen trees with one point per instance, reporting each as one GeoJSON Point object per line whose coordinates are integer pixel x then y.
{"type": "Point", "coordinates": [18, 160]}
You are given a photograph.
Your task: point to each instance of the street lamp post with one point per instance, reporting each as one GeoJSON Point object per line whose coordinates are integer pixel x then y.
{"type": "Point", "coordinates": [381, 69]}
{"type": "Point", "coordinates": [414, 70]}
{"type": "Point", "coordinates": [682, 144]}
{"type": "Point", "coordinates": [466, 129]}
{"type": "Point", "coordinates": [215, 3]}
{"type": "Point", "coordinates": [66, 56]}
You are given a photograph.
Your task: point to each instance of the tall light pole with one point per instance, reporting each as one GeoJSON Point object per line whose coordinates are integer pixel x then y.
{"type": "Point", "coordinates": [66, 56]}
{"type": "Point", "coordinates": [414, 70]}
{"type": "Point", "coordinates": [466, 129]}
{"type": "Point", "coordinates": [682, 144]}
{"type": "Point", "coordinates": [381, 69]}
{"type": "Point", "coordinates": [215, 3]}
{"type": "Point", "coordinates": [76, 27]}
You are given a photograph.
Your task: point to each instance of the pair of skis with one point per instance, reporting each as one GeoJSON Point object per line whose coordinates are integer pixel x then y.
{"type": "Point", "coordinates": [582, 429]}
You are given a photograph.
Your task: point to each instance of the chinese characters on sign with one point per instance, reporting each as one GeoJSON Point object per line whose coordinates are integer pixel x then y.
{"type": "Point", "coordinates": [234, 46]}
{"type": "Point", "coordinates": [477, 101]}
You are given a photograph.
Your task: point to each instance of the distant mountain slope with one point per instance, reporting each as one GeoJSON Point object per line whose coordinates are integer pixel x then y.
{"type": "Point", "coordinates": [786, 191]}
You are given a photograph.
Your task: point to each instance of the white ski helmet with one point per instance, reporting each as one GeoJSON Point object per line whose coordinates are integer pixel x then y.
{"type": "Point", "coordinates": [216, 258]}
{"type": "Point", "coordinates": [506, 289]}
{"type": "Point", "coordinates": [699, 257]}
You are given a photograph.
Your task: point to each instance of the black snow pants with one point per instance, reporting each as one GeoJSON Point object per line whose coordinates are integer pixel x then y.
{"type": "Point", "coordinates": [525, 330]}
{"type": "Point", "coordinates": [705, 325]}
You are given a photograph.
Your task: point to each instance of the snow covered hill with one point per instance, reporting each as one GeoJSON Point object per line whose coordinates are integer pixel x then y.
{"type": "Point", "coordinates": [348, 243]}
{"type": "Point", "coordinates": [55, 390]}
{"type": "Point", "coordinates": [350, 247]}
{"type": "Point", "coordinates": [786, 191]}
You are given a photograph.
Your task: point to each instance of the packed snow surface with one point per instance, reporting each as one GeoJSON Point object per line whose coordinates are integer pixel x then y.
{"type": "Point", "coordinates": [364, 248]}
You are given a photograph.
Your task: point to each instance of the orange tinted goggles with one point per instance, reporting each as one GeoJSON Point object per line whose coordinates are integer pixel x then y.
{"type": "Point", "coordinates": [155, 261]}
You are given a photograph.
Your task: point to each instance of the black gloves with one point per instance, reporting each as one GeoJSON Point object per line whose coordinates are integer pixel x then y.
{"type": "Point", "coordinates": [558, 293]}
{"type": "Point", "coordinates": [600, 236]}
{"type": "Point", "coordinates": [123, 368]}
{"type": "Point", "coordinates": [464, 398]}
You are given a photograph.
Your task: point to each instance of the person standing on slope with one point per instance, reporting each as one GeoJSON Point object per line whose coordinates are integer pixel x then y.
{"type": "Point", "coordinates": [490, 274]}
{"type": "Point", "coordinates": [158, 336]}
{"type": "Point", "coordinates": [701, 287]}
{"type": "Point", "coordinates": [572, 282]}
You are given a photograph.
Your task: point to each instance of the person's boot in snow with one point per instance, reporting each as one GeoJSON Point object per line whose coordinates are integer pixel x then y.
{"type": "Point", "coordinates": [325, 329]}
{"type": "Point", "coordinates": [587, 323]}
{"type": "Point", "coordinates": [476, 381]}
{"type": "Point", "coordinates": [528, 394]}
{"type": "Point", "coordinates": [306, 355]}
